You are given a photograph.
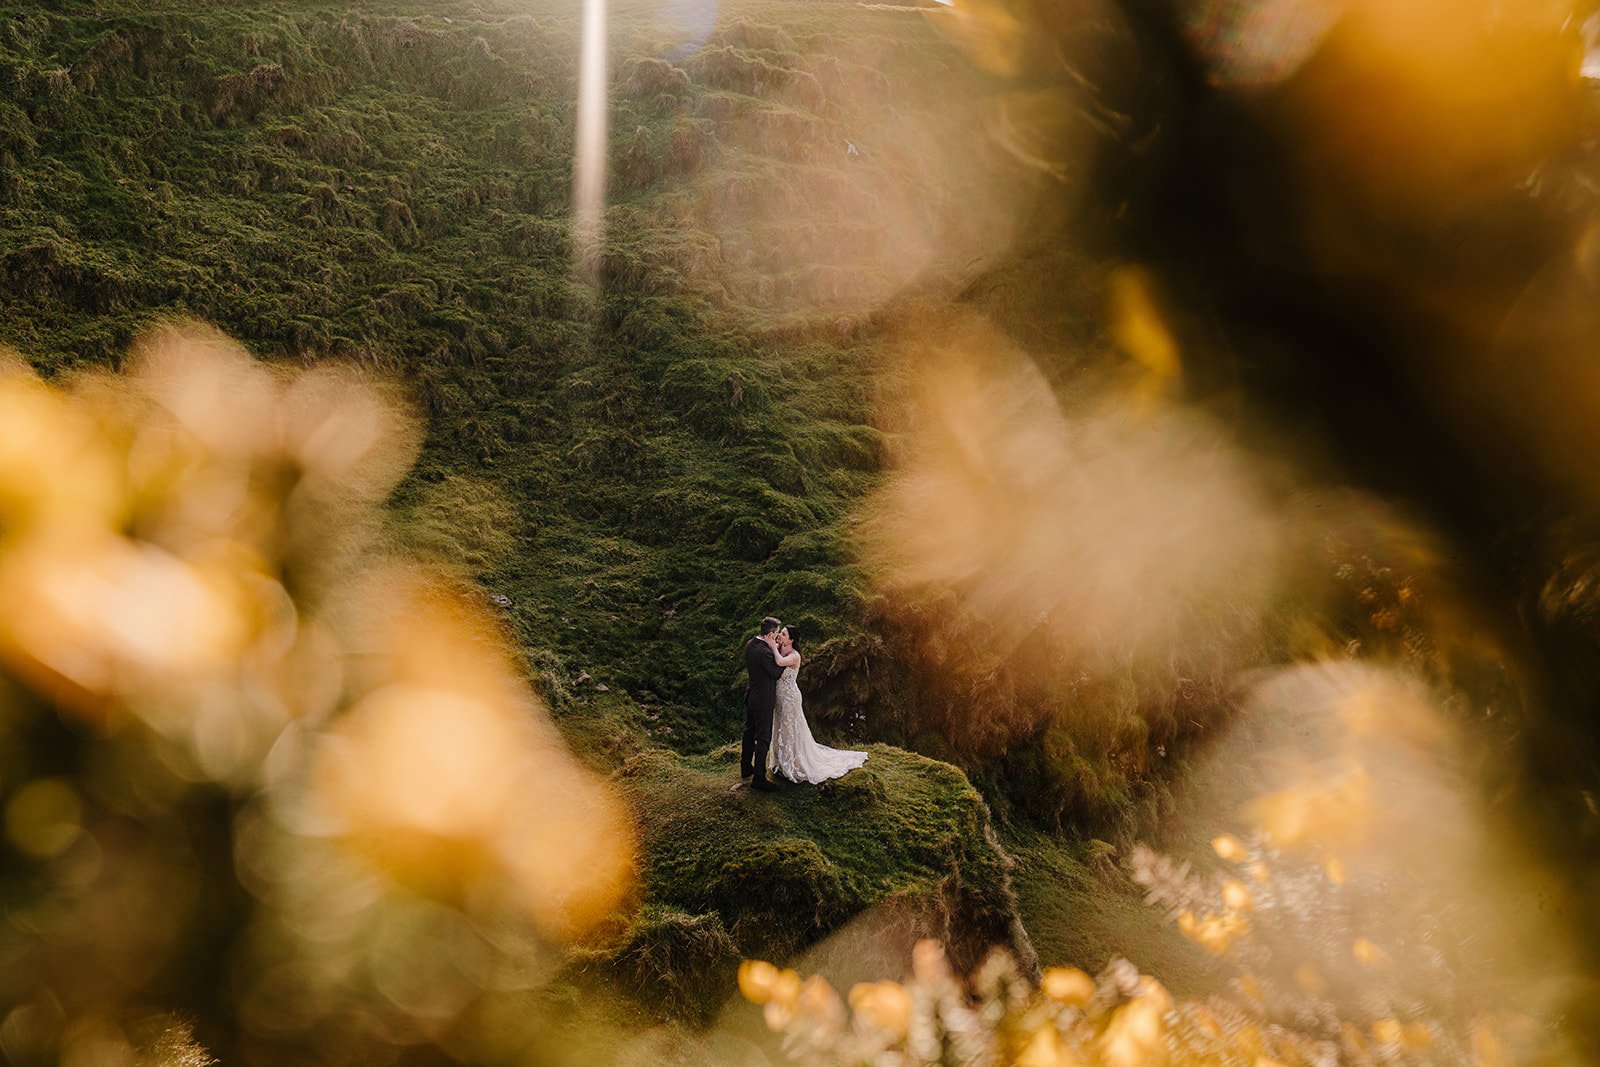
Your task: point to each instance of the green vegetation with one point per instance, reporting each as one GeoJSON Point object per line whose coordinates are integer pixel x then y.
{"type": "Point", "coordinates": [640, 471]}
{"type": "Point", "coordinates": [1077, 909]}
{"type": "Point", "coordinates": [728, 875]}
{"type": "Point", "coordinates": [906, 828]}
{"type": "Point", "coordinates": [393, 190]}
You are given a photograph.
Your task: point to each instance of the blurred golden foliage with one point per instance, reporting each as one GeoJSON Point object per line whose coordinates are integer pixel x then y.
{"type": "Point", "coordinates": [1068, 540]}
{"type": "Point", "coordinates": [1428, 99]}
{"type": "Point", "coordinates": [257, 768]}
{"type": "Point", "coordinates": [1118, 1019]}
{"type": "Point", "coordinates": [1405, 148]}
{"type": "Point", "coordinates": [446, 706]}
{"type": "Point", "coordinates": [1380, 892]}
{"type": "Point", "coordinates": [1442, 972]}
{"type": "Point", "coordinates": [1139, 328]}
{"type": "Point", "coordinates": [989, 31]}
{"type": "Point", "coordinates": [1066, 984]}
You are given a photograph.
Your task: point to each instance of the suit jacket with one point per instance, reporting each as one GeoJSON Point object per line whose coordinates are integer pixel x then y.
{"type": "Point", "coordinates": [762, 664]}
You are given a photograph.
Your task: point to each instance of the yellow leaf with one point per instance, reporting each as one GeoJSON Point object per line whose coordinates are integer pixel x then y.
{"type": "Point", "coordinates": [1228, 847]}
{"type": "Point", "coordinates": [1068, 985]}
{"type": "Point", "coordinates": [1046, 1049]}
{"type": "Point", "coordinates": [886, 1006]}
{"type": "Point", "coordinates": [757, 979]}
{"type": "Point", "coordinates": [1140, 330]}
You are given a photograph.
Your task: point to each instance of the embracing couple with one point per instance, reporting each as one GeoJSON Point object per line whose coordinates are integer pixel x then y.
{"type": "Point", "coordinates": [776, 737]}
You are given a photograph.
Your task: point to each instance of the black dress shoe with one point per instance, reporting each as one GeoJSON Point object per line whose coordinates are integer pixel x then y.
{"type": "Point", "coordinates": [763, 785]}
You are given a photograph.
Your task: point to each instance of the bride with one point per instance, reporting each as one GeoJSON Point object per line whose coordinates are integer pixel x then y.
{"type": "Point", "coordinates": [794, 753]}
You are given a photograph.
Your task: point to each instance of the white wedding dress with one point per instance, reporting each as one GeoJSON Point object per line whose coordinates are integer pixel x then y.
{"type": "Point", "coordinates": [794, 753]}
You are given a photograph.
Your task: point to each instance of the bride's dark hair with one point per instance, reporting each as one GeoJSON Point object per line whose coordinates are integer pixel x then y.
{"type": "Point", "coordinates": [794, 635]}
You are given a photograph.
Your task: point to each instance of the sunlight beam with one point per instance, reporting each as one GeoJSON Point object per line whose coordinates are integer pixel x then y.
{"type": "Point", "coordinates": [589, 164]}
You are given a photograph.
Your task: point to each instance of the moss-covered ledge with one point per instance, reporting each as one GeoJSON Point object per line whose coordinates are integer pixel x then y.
{"type": "Point", "coordinates": [729, 874]}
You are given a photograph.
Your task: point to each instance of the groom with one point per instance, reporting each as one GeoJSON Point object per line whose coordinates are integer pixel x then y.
{"type": "Point", "coordinates": [761, 661]}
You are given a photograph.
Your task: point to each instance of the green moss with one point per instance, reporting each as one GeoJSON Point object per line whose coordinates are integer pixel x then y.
{"type": "Point", "coordinates": [1081, 910]}
{"type": "Point", "coordinates": [638, 473]}
{"type": "Point", "coordinates": [783, 870]}
{"type": "Point", "coordinates": [392, 189]}
{"type": "Point", "coordinates": [682, 965]}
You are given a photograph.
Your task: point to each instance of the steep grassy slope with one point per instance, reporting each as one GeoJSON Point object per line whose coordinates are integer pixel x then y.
{"type": "Point", "coordinates": [640, 470]}
{"type": "Point", "coordinates": [679, 449]}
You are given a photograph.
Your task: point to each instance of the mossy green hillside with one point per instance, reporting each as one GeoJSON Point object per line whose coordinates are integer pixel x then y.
{"type": "Point", "coordinates": [644, 468]}
{"type": "Point", "coordinates": [679, 448]}
{"type": "Point", "coordinates": [641, 468]}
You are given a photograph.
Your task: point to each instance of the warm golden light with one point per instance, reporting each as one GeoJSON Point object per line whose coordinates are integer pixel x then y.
{"type": "Point", "coordinates": [988, 30]}
{"type": "Point", "coordinates": [1021, 530]}
{"type": "Point", "coordinates": [190, 572]}
{"type": "Point", "coordinates": [1138, 327]}
{"type": "Point", "coordinates": [1069, 985]}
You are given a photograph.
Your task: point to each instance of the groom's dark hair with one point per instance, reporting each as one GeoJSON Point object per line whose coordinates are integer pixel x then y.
{"type": "Point", "coordinates": [769, 625]}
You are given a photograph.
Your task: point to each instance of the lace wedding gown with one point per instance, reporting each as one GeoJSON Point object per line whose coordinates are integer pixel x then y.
{"type": "Point", "coordinates": [794, 753]}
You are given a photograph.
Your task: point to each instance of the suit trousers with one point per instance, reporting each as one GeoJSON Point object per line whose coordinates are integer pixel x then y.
{"type": "Point", "coordinates": [757, 739]}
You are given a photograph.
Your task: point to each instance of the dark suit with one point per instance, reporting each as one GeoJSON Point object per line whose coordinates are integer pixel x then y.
{"type": "Point", "coordinates": [762, 665]}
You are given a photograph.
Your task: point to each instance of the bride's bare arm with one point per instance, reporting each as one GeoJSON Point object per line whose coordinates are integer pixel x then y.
{"type": "Point", "coordinates": [789, 659]}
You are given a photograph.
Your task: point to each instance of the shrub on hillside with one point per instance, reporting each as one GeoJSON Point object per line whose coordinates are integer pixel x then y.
{"type": "Point", "coordinates": [648, 77]}
{"type": "Point", "coordinates": [681, 965]}
{"type": "Point", "coordinates": [239, 97]}
{"type": "Point", "coordinates": [739, 71]}
{"type": "Point", "coordinates": [798, 888]}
